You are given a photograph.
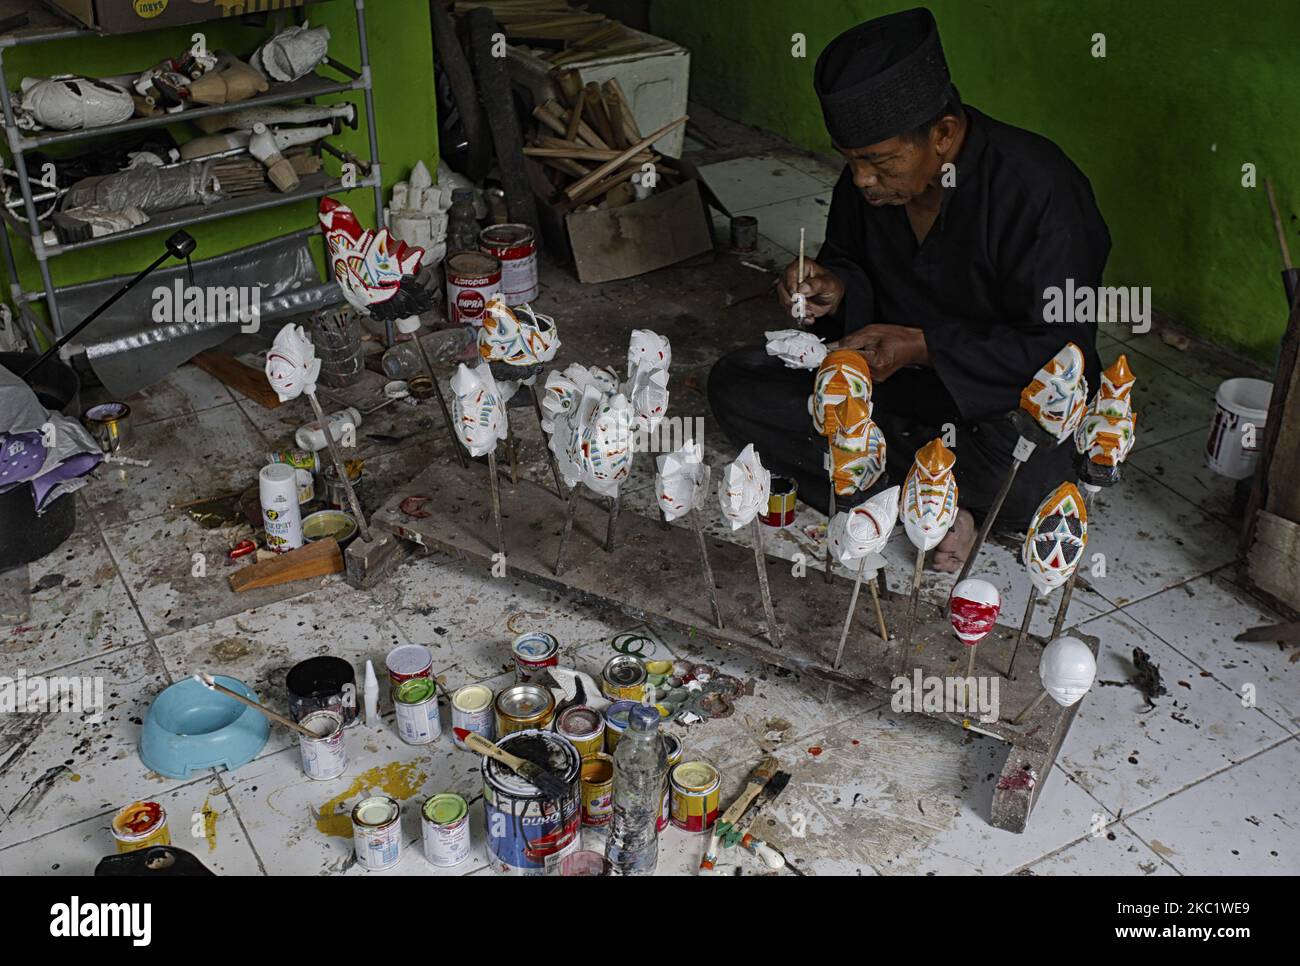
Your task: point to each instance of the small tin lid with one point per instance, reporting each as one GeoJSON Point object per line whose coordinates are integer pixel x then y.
{"type": "Point", "coordinates": [625, 670]}
{"type": "Point", "coordinates": [673, 747]}
{"type": "Point", "coordinates": [616, 715]}
{"type": "Point", "coordinates": [323, 724]}
{"type": "Point", "coordinates": [535, 646]}
{"type": "Point", "coordinates": [473, 263]}
{"type": "Point", "coordinates": [415, 691]}
{"type": "Point", "coordinates": [376, 811]}
{"type": "Point", "coordinates": [525, 701]}
{"type": "Point", "coordinates": [695, 776]}
{"type": "Point", "coordinates": [445, 809]}
{"type": "Point", "coordinates": [505, 234]}
{"type": "Point", "coordinates": [138, 820]}
{"type": "Point", "coordinates": [580, 721]}
{"type": "Point", "coordinates": [472, 697]}
{"type": "Point", "coordinates": [409, 659]}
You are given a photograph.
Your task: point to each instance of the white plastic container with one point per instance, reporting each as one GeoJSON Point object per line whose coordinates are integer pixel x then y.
{"type": "Point", "coordinates": [343, 424]}
{"type": "Point", "coordinates": [278, 490]}
{"type": "Point", "coordinates": [1241, 409]}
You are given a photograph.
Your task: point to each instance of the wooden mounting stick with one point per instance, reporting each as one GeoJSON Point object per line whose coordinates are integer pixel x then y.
{"type": "Point", "coordinates": [760, 562]}
{"type": "Point", "coordinates": [575, 116]}
{"type": "Point", "coordinates": [609, 167]}
{"type": "Point", "coordinates": [548, 117]}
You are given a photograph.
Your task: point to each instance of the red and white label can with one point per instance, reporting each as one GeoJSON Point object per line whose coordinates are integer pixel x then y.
{"type": "Point", "coordinates": [472, 279]}
{"type": "Point", "coordinates": [515, 246]}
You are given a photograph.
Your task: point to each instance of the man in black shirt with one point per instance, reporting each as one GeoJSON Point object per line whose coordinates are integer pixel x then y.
{"type": "Point", "coordinates": [947, 233]}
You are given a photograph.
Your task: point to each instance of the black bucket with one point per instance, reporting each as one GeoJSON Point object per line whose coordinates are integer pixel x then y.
{"type": "Point", "coordinates": [24, 536]}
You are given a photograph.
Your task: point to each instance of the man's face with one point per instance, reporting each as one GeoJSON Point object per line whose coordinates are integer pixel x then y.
{"type": "Point", "coordinates": [896, 171]}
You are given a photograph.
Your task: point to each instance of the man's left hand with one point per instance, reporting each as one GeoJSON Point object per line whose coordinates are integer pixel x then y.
{"type": "Point", "coordinates": [888, 348]}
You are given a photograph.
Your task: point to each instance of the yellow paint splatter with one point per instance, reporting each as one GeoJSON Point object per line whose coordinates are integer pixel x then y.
{"type": "Point", "coordinates": [74, 777]}
{"type": "Point", "coordinates": [400, 779]}
{"type": "Point", "coordinates": [209, 824]}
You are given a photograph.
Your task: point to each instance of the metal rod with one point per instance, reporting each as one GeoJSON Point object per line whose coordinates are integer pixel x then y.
{"type": "Point", "coordinates": [511, 448]}
{"type": "Point", "coordinates": [848, 622]}
{"type": "Point", "coordinates": [496, 501]}
{"type": "Point", "coordinates": [1028, 710]}
{"type": "Point", "coordinates": [1024, 627]}
{"type": "Point", "coordinates": [760, 562]}
{"type": "Point", "coordinates": [906, 641]}
{"type": "Point", "coordinates": [710, 586]}
{"type": "Point", "coordinates": [611, 529]}
{"type": "Point", "coordinates": [880, 614]}
{"type": "Point", "coordinates": [339, 468]}
{"type": "Point", "coordinates": [988, 521]}
{"type": "Point", "coordinates": [830, 512]}
{"type": "Point", "coordinates": [970, 661]}
{"type": "Point", "coordinates": [442, 400]}
{"type": "Point", "coordinates": [368, 93]}
{"type": "Point", "coordinates": [572, 502]}
{"type": "Point", "coordinates": [550, 455]}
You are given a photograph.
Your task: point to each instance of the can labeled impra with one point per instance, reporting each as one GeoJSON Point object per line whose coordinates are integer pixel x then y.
{"type": "Point", "coordinates": [523, 706]}
{"type": "Point", "coordinates": [377, 832]}
{"type": "Point", "coordinates": [583, 726]}
{"type": "Point", "coordinates": [694, 790]}
{"type": "Point", "coordinates": [408, 661]}
{"type": "Point", "coordinates": [416, 703]}
{"type": "Point", "coordinates": [529, 833]}
{"type": "Point", "coordinates": [616, 719]}
{"type": "Point", "coordinates": [139, 826]}
{"type": "Point", "coordinates": [444, 820]}
{"type": "Point", "coordinates": [515, 247]}
{"type": "Point", "coordinates": [623, 678]}
{"type": "Point", "coordinates": [534, 652]}
{"type": "Point", "coordinates": [323, 757]}
{"type": "Point", "coordinates": [471, 709]}
{"type": "Point", "coordinates": [673, 748]}
{"type": "Point", "coordinates": [472, 279]}
{"type": "Point", "coordinates": [597, 789]}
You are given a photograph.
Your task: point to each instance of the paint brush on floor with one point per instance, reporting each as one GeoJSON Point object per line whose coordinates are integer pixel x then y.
{"type": "Point", "coordinates": [548, 783]}
{"type": "Point", "coordinates": [758, 778]}
{"type": "Point", "coordinates": [206, 679]}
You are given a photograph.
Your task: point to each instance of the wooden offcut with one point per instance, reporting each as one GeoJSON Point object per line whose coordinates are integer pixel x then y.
{"type": "Point", "coordinates": [310, 560]}
{"type": "Point", "coordinates": [244, 379]}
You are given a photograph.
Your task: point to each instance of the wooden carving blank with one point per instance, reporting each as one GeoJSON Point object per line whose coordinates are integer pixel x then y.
{"type": "Point", "coordinates": [243, 379]}
{"type": "Point", "coordinates": [309, 560]}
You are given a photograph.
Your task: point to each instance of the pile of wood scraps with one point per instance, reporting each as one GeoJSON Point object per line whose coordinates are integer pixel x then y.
{"type": "Point", "coordinates": [563, 33]}
{"type": "Point", "coordinates": [591, 145]}
{"type": "Point", "coordinates": [245, 175]}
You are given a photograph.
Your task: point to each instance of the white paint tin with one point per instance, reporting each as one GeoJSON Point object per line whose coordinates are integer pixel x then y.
{"type": "Point", "coordinates": [444, 821]}
{"type": "Point", "coordinates": [278, 490]}
{"type": "Point", "coordinates": [1240, 411]}
{"type": "Point", "coordinates": [323, 757]}
{"type": "Point", "coordinates": [377, 832]}
{"type": "Point", "coordinates": [416, 704]}
{"type": "Point", "coordinates": [471, 709]}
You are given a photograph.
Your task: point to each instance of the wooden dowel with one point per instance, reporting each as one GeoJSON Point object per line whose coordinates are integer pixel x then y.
{"type": "Point", "coordinates": [613, 165]}
{"type": "Point", "coordinates": [575, 116]}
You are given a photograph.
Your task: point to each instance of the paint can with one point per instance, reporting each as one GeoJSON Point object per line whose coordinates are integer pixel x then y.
{"type": "Point", "coordinates": [515, 246]}
{"type": "Point", "coordinates": [694, 791]}
{"type": "Point", "coordinates": [416, 703]}
{"type": "Point", "coordinates": [1240, 412]}
{"type": "Point", "coordinates": [534, 652]}
{"type": "Point", "coordinates": [780, 502]}
{"type": "Point", "coordinates": [306, 464]}
{"type": "Point", "coordinates": [333, 492]}
{"type": "Point", "coordinates": [523, 706]}
{"type": "Point", "coordinates": [529, 833]}
{"type": "Point", "coordinates": [408, 661]}
{"type": "Point", "coordinates": [140, 825]}
{"type": "Point", "coordinates": [744, 234]}
{"type": "Point", "coordinates": [324, 683]}
{"type": "Point", "coordinates": [471, 709]}
{"type": "Point", "coordinates": [623, 678]}
{"type": "Point", "coordinates": [472, 279]}
{"type": "Point", "coordinates": [673, 749]}
{"type": "Point", "coordinates": [377, 832]}
{"type": "Point", "coordinates": [597, 790]}
{"type": "Point", "coordinates": [325, 756]}
{"type": "Point", "coordinates": [110, 424]}
{"type": "Point", "coordinates": [583, 726]}
{"type": "Point", "coordinates": [616, 718]}
{"type": "Point", "coordinates": [444, 821]}
{"type": "Point", "coordinates": [281, 518]}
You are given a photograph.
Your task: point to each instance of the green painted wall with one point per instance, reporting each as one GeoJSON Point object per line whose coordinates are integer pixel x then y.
{"type": "Point", "coordinates": [1189, 91]}
{"type": "Point", "coordinates": [402, 68]}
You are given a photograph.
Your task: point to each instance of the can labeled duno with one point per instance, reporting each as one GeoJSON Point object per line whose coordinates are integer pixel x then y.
{"type": "Point", "coordinates": [624, 678]}
{"type": "Point", "coordinates": [694, 789]}
{"type": "Point", "coordinates": [597, 790]}
{"type": "Point", "coordinates": [515, 246]}
{"type": "Point", "coordinates": [471, 709]}
{"type": "Point", "coordinates": [616, 719]}
{"type": "Point", "coordinates": [534, 652]}
{"type": "Point", "coordinates": [139, 826]}
{"type": "Point", "coordinates": [583, 726]}
{"type": "Point", "coordinates": [323, 757]}
{"type": "Point", "coordinates": [377, 832]}
{"type": "Point", "coordinates": [444, 820]}
{"type": "Point", "coordinates": [472, 279]}
{"type": "Point", "coordinates": [529, 833]}
{"type": "Point", "coordinates": [416, 703]}
{"type": "Point", "coordinates": [523, 706]}
{"type": "Point", "coordinates": [673, 748]}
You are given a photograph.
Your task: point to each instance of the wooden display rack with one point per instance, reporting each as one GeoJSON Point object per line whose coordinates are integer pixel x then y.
{"type": "Point", "coordinates": [654, 574]}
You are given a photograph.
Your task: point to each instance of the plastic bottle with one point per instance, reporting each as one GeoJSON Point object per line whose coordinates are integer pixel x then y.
{"type": "Point", "coordinates": [343, 424]}
{"type": "Point", "coordinates": [462, 226]}
{"type": "Point", "coordinates": [640, 764]}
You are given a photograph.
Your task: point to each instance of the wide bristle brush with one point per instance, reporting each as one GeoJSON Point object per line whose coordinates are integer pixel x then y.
{"type": "Point", "coordinates": [547, 782]}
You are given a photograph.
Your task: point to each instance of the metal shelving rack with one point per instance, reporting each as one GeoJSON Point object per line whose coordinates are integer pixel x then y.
{"type": "Point", "coordinates": [48, 27]}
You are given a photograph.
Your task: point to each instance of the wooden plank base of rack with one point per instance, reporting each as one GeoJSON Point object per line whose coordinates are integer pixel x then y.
{"type": "Point", "coordinates": [654, 574]}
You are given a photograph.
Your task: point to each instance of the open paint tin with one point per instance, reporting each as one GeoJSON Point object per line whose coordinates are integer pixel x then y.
{"type": "Point", "coordinates": [324, 683]}
{"type": "Point", "coordinates": [534, 652]}
{"type": "Point", "coordinates": [693, 788]}
{"type": "Point", "coordinates": [444, 821]}
{"type": "Point", "coordinates": [338, 524]}
{"type": "Point", "coordinates": [524, 706]}
{"type": "Point", "coordinates": [139, 826]}
{"type": "Point", "coordinates": [110, 424]}
{"type": "Point", "coordinates": [780, 502]}
{"type": "Point", "coordinates": [377, 832]}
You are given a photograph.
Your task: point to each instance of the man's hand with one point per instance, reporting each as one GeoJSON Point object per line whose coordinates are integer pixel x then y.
{"type": "Point", "coordinates": [888, 348]}
{"type": "Point", "coordinates": [822, 290]}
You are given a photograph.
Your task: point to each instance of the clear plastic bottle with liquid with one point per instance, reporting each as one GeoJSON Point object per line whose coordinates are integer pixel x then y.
{"type": "Point", "coordinates": [640, 765]}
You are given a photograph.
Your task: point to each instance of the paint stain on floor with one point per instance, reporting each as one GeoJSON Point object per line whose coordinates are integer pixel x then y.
{"type": "Point", "coordinates": [399, 779]}
{"type": "Point", "coordinates": [209, 824]}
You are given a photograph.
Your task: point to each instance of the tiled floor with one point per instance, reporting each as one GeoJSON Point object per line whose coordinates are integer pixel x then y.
{"type": "Point", "coordinates": [1203, 782]}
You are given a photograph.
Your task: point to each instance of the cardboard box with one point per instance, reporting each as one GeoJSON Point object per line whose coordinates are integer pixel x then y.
{"type": "Point", "coordinates": [670, 226]}
{"type": "Point", "coordinates": [132, 16]}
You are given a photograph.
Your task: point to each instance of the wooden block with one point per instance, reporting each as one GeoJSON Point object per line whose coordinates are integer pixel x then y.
{"type": "Point", "coordinates": [1274, 559]}
{"type": "Point", "coordinates": [309, 560]}
{"type": "Point", "coordinates": [245, 380]}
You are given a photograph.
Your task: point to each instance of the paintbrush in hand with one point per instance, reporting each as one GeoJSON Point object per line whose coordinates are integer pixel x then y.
{"type": "Point", "coordinates": [547, 782]}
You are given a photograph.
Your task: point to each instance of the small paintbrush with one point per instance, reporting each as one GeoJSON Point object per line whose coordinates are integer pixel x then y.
{"type": "Point", "coordinates": [548, 783]}
{"type": "Point", "coordinates": [206, 679]}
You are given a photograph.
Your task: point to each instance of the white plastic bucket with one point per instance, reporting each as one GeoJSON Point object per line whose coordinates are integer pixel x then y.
{"type": "Point", "coordinates": [1241, 408]}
